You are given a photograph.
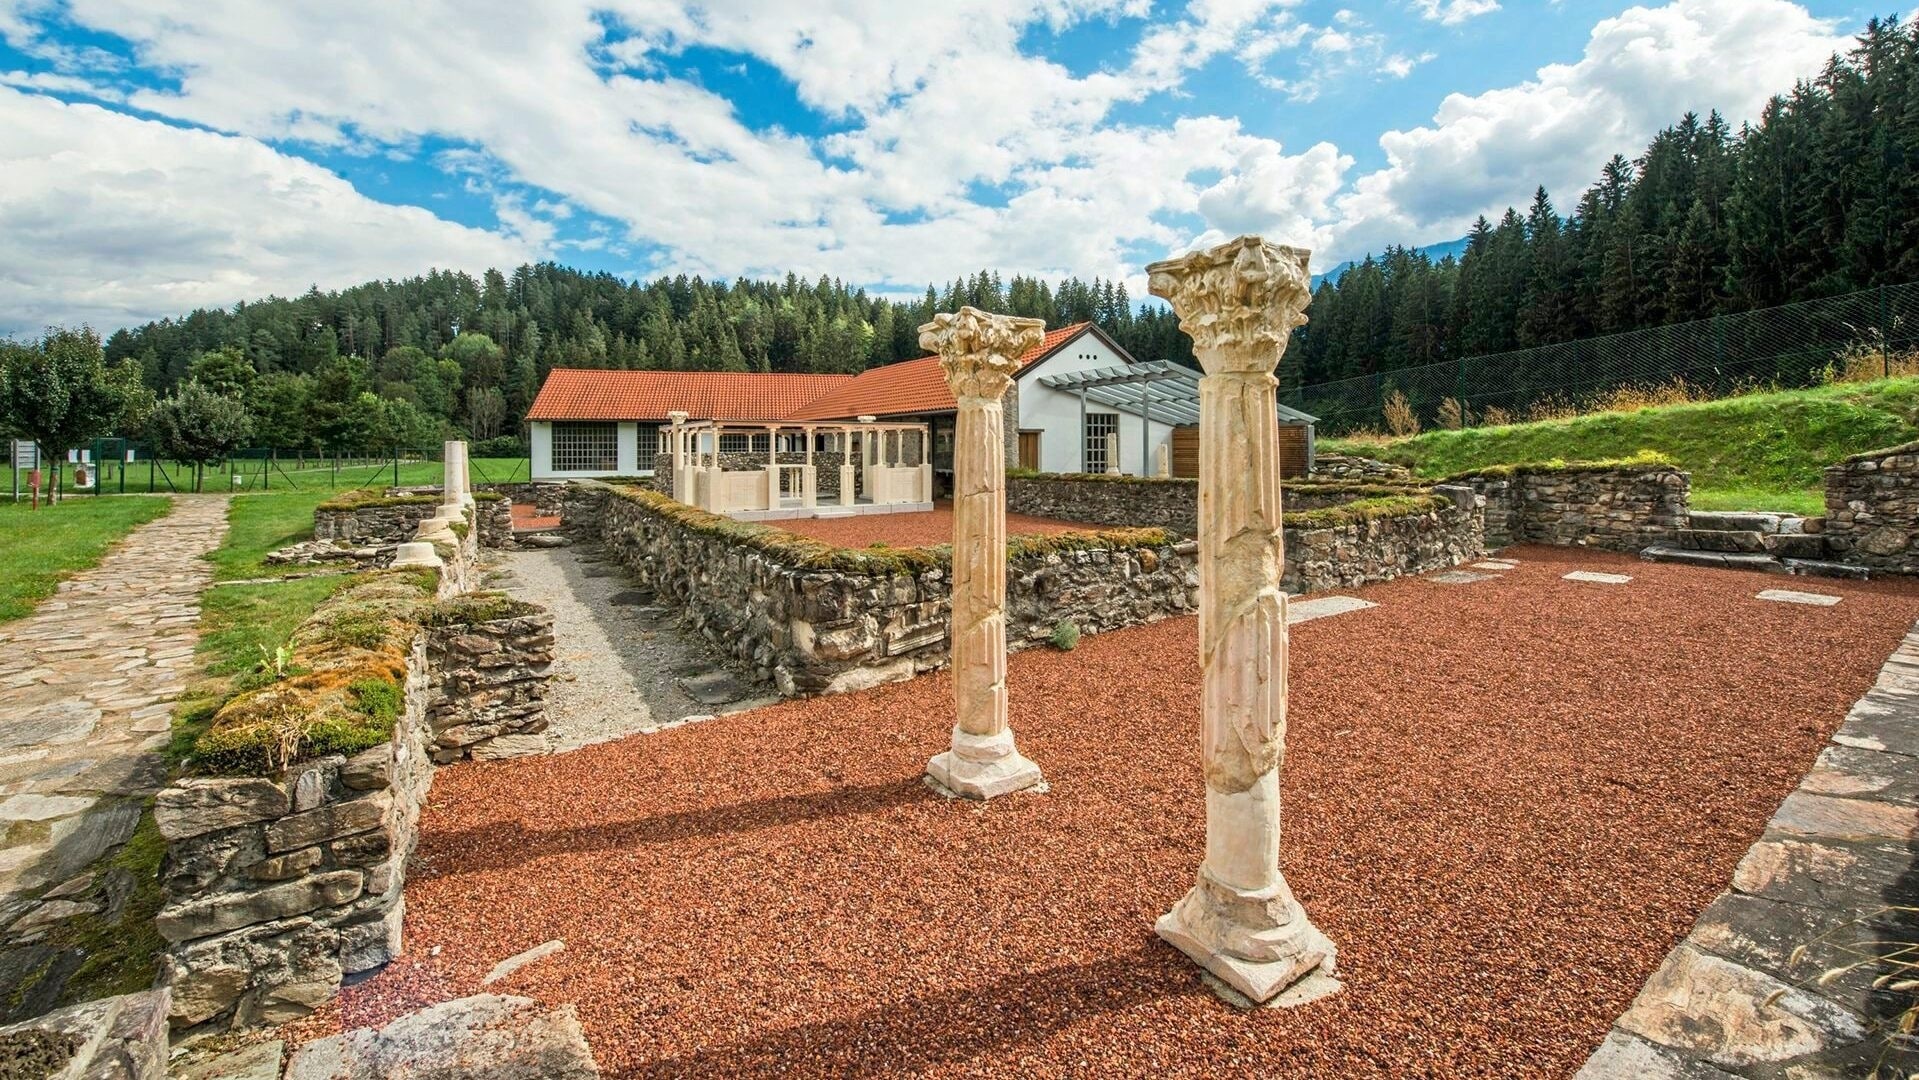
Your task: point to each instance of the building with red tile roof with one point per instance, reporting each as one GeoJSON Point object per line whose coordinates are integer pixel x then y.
{"type": "Point", "coordinates": [599, 423]}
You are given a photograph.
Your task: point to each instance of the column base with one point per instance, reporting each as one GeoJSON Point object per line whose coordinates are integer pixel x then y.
{"type": "Point", "coordinates": [983, 766]}
{"type": "Point", "coordinates": [1286, 951]}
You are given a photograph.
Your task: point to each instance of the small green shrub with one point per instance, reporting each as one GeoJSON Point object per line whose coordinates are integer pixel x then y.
{"type": "Point", "coordinates": [1065, 635]}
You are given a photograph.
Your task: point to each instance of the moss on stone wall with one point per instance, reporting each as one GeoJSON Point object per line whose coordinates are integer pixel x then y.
{"type": "Point", "coordinates": [1646, 461]}
{"type": "Point", "coordinates": [365, 499]}
{"type": "Point", "coordinates": [1363, 510]}
{"type": "Point", "coordinates": [806, 553]}
{"type": "Point", "coordinates": [341, 691]}
{"type": "Point", "coordinates": [1890, 451]}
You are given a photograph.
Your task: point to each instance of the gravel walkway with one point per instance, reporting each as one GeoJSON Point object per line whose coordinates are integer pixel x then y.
{"type": "Point", "coordinates": [916, 529]}
{"type": "Point", "coordinates": [1505, 802]}
{"type": "Point", "coordinates": [618, 658]}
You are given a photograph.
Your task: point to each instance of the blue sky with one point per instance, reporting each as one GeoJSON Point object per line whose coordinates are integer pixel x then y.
{"type": "Point", "coordinates": [166, 154]}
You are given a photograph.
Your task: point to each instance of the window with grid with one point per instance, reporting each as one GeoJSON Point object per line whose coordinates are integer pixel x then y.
{"type": "Point", "coordinates": [583, 447]}
{"type": "Point", "coordinates": [651, 448]}
{"type": "Point", "coordinates": [735, 444]}
{"type": "Point", "coordinates": [1098, 426]}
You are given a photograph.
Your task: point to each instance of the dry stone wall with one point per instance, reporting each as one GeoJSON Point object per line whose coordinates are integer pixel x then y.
{"type": "Point", "coordinates": [1872, 510]}
{"type": "Point", "coordinates": [1448, 531]}
{"type": "Point", "coordinates": [372, 523]}
{"type": "Point", "coordinates": [488, 697]}
{"type": "Point", "coordinates": [396, 516]}
{"type": "Point", "coordinates": [812, 630]}
{"type": "Point", "coordinates": [1121, 502]}
{"type": "Point", "coordinates": [1329, 466]}
{"type": "Point", "coordinates": [1618, 507]}
{"type": "Point", "coordinates": [547, 497]}
{"type": "Point", "coordinates": [278, 887]}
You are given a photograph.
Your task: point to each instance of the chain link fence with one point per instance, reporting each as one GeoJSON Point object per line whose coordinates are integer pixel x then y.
{"type": "Point", "coordinates": [1860, 335]}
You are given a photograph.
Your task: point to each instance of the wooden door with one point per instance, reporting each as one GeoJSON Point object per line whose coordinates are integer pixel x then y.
{"type": "Point", "coordinates": [1186, 452]}
{"type": "Point", "coordinates": [1029, 450]}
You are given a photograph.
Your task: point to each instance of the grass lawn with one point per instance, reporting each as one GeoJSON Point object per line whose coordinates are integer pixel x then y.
{"type": "Point", "coordinates": [38, 548]}
{"type": "Point", "coordinates": [1758, 452]}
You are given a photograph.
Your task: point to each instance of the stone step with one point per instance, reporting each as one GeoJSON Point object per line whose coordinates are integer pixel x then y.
{"type": "Point", "coordinates": [1735, 521]}
{"type": "Point", "coordinates": [1718, 560]}
{"type": "Point", "coordinates": [1821, 568]}
{"type": "Point", "coordinates": [1796, 546]}
{"type": "Point", "coordinates": [1720, 540]}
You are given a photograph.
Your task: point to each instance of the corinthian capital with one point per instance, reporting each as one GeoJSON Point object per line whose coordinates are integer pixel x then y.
{"type": "Point", "coordinates": [978, 350]}
{"type": "Point", "coordinates": [1240, 301]}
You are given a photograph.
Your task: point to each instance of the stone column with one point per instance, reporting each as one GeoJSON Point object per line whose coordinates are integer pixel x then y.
{"type": "Point", "coordinates": [1240, 303]}
{"type": "Point", "coordinates": [676, 444]}
{"type": "Point", "coordinates": [978, 351]}
{"type": "Point", "coordinates": [453, 480]}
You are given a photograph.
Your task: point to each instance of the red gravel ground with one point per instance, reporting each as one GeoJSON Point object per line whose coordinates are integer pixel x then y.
{"type": "Point", "coordinates": [526, 517]}
{"type": "Point", "coordinates": [919, 529]}
{"type": "Point", "coordinates": [1504, 801]}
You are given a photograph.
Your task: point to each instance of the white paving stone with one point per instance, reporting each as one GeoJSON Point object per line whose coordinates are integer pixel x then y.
{"type": "Point", "coordinates": [1598, 578]}
{"type": "Point", "coordinates": [1319, 607]}
{"type": "Point", "coordinates": [1788, 596]}
{"type": "Point", "coordinates": [1460, 577]}
{"type": "Point", "coordinates": [1500, 566]}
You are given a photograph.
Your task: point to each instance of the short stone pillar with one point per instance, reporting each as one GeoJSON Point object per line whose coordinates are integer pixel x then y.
{"type": "Point", "coordinates": [979, 352]}
{"type": "Point", "coordinates": [1240, 303]}
{"type": "Point", "coordinates": [1112, 454]}
{"type": "Point", "coordinates": [1163, 462]}
{"type": "Point", "coordinates": [453, 479]}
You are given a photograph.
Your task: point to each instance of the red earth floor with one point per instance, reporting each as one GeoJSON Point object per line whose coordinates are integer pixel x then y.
{"type": "Point", "coordinates": [919, 529]}
{"type": "Point", "coordinates": [526, 518]}
{"type": "Point", "coordinates": [1505, 802]}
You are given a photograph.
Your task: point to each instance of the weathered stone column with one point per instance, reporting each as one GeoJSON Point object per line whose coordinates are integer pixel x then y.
{"type": "Point", "coordinates": [979, 352]}
{"type": "Point", "coordinates": [1240, 303]}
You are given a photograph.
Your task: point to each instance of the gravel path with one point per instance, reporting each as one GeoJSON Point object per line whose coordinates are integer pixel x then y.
{"type": "Point", "coordinates": [1504, 801]}
{"type": "Point", "coordinates": [916, 529]}
{"type": "Point", "coordinates": [618, 658]}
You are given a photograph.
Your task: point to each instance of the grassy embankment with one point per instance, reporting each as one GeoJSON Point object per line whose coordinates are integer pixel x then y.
{"type": "Point", "coordinates": [1759, 452]}
{"type": "Point", "coordinates": [39, 548]}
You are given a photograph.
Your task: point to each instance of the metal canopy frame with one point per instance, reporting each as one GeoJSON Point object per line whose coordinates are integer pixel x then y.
{"type": "Point", "coordinates": [1158, 390]}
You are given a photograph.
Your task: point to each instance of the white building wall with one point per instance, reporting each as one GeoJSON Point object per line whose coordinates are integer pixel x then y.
{"type": "Point", "coordinates": [1055, 413]}
{"type": "Point", "coordinates": [541, 451]}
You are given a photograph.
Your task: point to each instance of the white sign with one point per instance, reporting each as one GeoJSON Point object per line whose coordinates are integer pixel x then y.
{"type": "Point", "coordinates": [25, 454]}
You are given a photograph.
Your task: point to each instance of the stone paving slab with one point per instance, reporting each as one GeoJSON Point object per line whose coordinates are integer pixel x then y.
{"type": "Point", "coordinates": [87, 684]}
{"type": "Point", "coordinates": [1594, 578]}
{"type": "Point", "coordinates": [1460, 577]}
{"type": "Point", "coordinates": [1780, 976]}
{"type": "Point", "coordinates": [1320, 607]}
{"type": "Point", "coordinates": [1789, 596]}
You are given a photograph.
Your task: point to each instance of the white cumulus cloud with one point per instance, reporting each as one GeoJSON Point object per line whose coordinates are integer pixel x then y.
{"type": "Point", "coordinates": [1641, 70]}
{"type": "Point", "coordinates": [109, 219]}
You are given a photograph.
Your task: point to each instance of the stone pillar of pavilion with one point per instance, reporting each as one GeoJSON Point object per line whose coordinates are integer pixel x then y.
{"type": "Point", "coordinates": [979, 352]}
{"type": "Point", "coordinates": [676, 444]}
{"type": "Point", "coordinates": [849, 476]}
{"type": "Point", "coordinates": [1240, 303]}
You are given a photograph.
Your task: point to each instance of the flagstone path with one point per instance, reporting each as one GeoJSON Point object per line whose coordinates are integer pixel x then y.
{"type": "Point", "coordinates": [87, 684]}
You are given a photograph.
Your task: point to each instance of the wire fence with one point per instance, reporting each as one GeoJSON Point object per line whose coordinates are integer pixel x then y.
{"type": "Point", "coordinates": [126, 467]}
{"type": "Point", "coordinates": [1866, 334]}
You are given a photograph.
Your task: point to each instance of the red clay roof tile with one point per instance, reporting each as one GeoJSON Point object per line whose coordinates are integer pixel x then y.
{"type": "Point", "coordinates": [581, 394]}
{"type": "Point", "coordinates": [909, 387]}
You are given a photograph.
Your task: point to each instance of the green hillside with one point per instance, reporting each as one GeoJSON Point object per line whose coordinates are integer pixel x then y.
{"type": "Point", "coordinates": [1760, 452]}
